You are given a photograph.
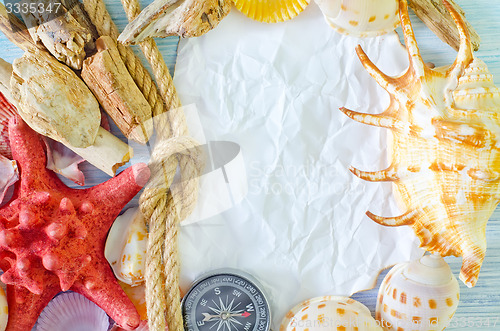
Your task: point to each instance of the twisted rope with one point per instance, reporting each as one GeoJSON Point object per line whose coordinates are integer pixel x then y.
{"type": "Point", "coordinates": [162, 203]}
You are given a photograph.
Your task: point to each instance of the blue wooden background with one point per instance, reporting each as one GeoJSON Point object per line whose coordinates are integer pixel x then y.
{"type": "Point", "coordinates": [480, 306]}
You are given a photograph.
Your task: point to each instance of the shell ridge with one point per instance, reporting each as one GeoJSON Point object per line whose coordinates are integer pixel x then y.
{"type": "Point", "coordinates": [408, 218]}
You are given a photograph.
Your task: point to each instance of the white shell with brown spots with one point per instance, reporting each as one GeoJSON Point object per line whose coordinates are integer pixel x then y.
{"type": "Point", "coordinates": [126, 247]}
{"type": "Point", "coordinates": [420, 295]}
{"type": "Point", "coordinates": [329, 313]}
{"type": "Point", "coordinates": [361, 18]}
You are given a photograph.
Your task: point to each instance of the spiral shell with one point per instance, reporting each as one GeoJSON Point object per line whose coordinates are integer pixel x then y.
{"type": "Point", "coordinates": [126, 247]}
{"type": "Point", "coordinates": [329, 313]}
{"type": "Point", "coordinates": [444, 148]}
{"type": "Point", "coordinates": [421, 295]}
{"type": "Point", "coordinates": [361, 18]}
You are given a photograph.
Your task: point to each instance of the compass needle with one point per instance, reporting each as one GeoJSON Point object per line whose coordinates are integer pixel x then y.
{"type": "Point", "coordinates": [226, 301]}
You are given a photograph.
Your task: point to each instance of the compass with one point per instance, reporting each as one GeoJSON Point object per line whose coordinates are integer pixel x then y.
{"type": "Point", "coordinates": [226, 300]}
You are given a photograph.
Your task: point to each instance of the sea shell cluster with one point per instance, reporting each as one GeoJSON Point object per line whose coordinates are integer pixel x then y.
{"type": "Point", "coordinates": [443, 148]}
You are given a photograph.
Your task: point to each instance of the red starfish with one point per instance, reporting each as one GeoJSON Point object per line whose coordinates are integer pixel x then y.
{"type": "Point", "coordinates": [52, 237]}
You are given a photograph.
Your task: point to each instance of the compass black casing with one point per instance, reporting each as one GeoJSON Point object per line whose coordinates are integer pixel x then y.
{"type": "Point", "coordinates": [226, 300]}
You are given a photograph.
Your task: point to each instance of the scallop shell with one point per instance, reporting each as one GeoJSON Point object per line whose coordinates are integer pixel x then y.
{"type": "Point", "coordinates": [421, 295]}
{"type": "Point", "coordinates": [72, 311]}
{"type": "Point", "coordinates": [4, 310]}
{"type": "Point", "coordinates": [329, 313]}
{"type": "Point", "coordinates": [126, 247]}
{"type": "Point", "coordinates": [7, 110]}
{"type": "Point", "coordinates": [443, 149]}
{"type": "Point", "coordinates": [271, 11]}
{"type": "Point", "coordinates": [361, 18]}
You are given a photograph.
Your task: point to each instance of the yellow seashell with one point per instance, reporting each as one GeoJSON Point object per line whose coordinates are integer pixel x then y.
{"type": "Point", "coordinates": [444, 150]}
{"type": "Point", "coordinates": [271, 11]}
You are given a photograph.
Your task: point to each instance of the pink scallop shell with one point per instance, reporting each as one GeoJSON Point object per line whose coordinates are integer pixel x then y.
{"type": "Point", "coordinates": [7, 110]}
{"type": "Point", "coordinates": [72, 311]}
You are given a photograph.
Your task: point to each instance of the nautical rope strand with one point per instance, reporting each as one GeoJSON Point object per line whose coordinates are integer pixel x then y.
{"type": "Point", "coordinates": [161, 204]}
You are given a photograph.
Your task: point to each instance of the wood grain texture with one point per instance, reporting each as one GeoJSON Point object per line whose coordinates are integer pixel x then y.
{"type": "Point", "coordinates": [478, 305]}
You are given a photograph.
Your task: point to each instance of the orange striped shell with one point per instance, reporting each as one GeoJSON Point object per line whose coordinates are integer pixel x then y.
{"type": "Point", "coordinates": [444, 148]}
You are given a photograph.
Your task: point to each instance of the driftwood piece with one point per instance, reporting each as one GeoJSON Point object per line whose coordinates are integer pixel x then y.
{"type": "Point", "coordinates": [163, 18]}
{"type": "Point", "coordinates": [15, 30]}
{"type": "Point", "coordinates": [75, 7]}
{"type": "Point", "coordinates": [59, 31]}
{"type": "Point", "coordinates": [53, 100]}
{"type": "Point", "coordinates": [108, 153]}
{"type": "Point", "coordinates": [435, 15]}
{"type": "Point", "coordinates": [107, 77]}
{"type": "Point", "coordinates": [5, 75]}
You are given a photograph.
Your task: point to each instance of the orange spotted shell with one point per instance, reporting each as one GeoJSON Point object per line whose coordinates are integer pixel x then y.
{"type": "Point", "coordinates": [421, 295]}
{"type": "Point", "coordinates": [329, 313]}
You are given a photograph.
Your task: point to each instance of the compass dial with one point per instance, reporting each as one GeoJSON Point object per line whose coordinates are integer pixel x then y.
{"type": "Point", "coordinates": [226, 301]}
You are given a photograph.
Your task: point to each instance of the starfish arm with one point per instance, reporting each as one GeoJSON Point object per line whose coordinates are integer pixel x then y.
{"type": "Point", "coordinates": [121, 189]}
{"type": "Point", "coordinates": [24, 311]}
{"type": "Point", "coordinates": [107, 294]}
{"type": "Point", "coordinates": [27, 147]}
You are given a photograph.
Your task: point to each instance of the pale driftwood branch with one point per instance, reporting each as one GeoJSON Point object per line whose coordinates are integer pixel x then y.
{"type": "Point", "coordinates": [107, 77]}
{"type": "Point", "coordinates": [48, 96]}
{"type": "Point", "coordinates": [435, 15]}
{"type": "Point", "coordinates": [59, 31]}
{"type": "Point", "coordinates": [108, 153]}
{"type": "Point", "coordinates": [187, 18]}
{"type": "Point", "coordinates": [15, 30]}
{"type": "Point", "coordinates": [5, 75]}
{"type": "Point", "coordinates": [53, 100]}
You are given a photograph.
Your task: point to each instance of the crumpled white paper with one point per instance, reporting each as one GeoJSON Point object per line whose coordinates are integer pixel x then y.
{"type": "Point", "coordinates": [275, 90]}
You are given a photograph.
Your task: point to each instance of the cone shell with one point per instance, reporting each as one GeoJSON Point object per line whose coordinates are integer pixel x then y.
{"type": "Point", "coordinates": [126, 247]}
{"type": "Point", "coordinates": [443, 148]}
{"type": "Point", "coordinates": [421, 295]}
{"type": "Point", "coordinates": [361, 18]}
{"type": "Point", "coordinates": [72, 311]}
{"type": "Point", "coordinates": [329, 313]}
{"type": "Point", "coordinates": [4, 310]}
{"type": "Point", "coordinates": [137, 294]}
{"type": "Point", "coordinates": [271, 11]}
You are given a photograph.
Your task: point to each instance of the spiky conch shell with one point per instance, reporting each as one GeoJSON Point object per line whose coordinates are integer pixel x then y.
{"type": "Point", "coordinates": [444, 155]}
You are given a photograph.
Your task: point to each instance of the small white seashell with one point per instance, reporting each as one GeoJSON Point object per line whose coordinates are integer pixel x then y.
{"type": "Point", "coordinates": [72, 311]}
{"type": "Point", "coordinates": [126, 247]}
{"type": "Point", "coordinates": [361, 18]}
{"type": "Point", "coordinates": [329, 313]}
{"type": "Point", "coordinates": [420, 295]}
